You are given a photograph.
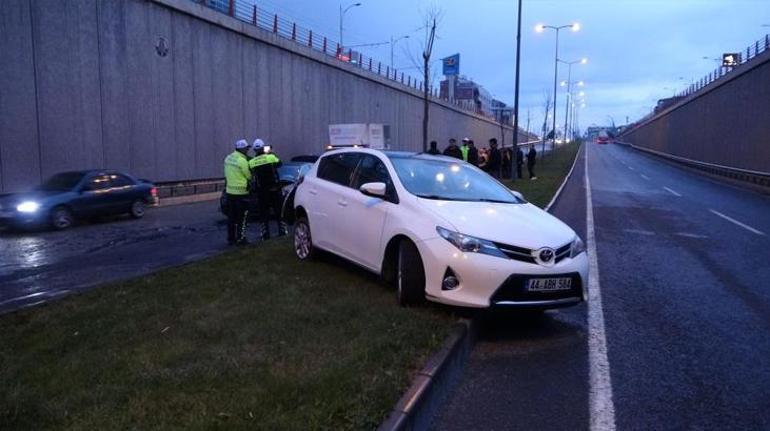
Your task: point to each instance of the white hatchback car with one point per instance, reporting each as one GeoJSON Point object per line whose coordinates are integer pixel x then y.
{"type": "Point", "coordinates": [438, 228]}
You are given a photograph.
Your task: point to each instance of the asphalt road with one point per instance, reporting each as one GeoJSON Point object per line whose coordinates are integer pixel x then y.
{"type": "Point", "coordinates": [39, 266]}
{"type": "Point", "coordinates": [684, 264]}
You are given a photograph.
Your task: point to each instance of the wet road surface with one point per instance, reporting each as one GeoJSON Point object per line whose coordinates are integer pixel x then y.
{"type": "Point", "coordinates": [38, 266]}
{"type": "Point", "coordinates": [684, 264]}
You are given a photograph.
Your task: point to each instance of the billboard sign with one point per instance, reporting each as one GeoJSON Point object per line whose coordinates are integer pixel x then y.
{"type": "Point", "coordinates": [731, 59]}
{"type": "Point", "coordinates": [451, 65]}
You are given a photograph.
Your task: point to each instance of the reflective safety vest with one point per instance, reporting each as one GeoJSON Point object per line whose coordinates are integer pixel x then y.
{"type": "Point", "coordinates": [264, 170]}
{"type": "Point", "coordinates": [263, 159]}
{"type": "Point", "coordinates": [237, 174]}
{"type": "Point", "coordinates": [464, 149]}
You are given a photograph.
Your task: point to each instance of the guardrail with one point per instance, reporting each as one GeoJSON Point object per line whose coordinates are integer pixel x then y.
{"type": "Point", "coordinates": [173, 189]}
{"type": "Point", "coordinates": [755, 178]}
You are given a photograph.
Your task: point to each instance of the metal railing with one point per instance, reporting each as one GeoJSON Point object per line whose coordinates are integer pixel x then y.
{"type": "Point", "coordinates": [744, 57]}
{"type": "Point", "coordinates": [271, 22]}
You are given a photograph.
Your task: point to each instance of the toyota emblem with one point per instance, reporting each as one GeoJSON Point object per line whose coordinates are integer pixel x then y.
{"type": "Point", "coordinates": [545, 256]}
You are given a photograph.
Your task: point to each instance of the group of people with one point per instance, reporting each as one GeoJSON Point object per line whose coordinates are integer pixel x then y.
{"type": "Point", "coordinates": [251, 171]}
{"type": "Point", "coordinates": [493, 161]}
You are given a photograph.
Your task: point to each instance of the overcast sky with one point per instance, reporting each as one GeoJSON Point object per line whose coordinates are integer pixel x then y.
{"type": "Point", "coordinates": [638, 50]}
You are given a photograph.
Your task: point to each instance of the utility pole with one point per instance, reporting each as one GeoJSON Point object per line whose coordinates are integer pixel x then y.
{"type": "Point", "coordinates": [426, 75]}
{"type": "Point", "coordinates": [516, 94]}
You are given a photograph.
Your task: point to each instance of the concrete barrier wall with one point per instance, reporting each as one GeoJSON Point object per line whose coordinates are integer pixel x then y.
{"type": "Point", "coordinates": [82, 85]}
{"type": "Point", "coordinates": [727, 123]}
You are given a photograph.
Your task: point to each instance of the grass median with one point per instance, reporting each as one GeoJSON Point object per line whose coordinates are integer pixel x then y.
{"type": "Point", "coordinates": [252, 339]}
{"type": "Point", "coordinates": [550, 171]}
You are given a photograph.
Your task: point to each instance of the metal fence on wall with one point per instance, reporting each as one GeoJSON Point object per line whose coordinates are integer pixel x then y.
{"type": "Point", "coordinates": [745, 56]}
{"type": "Point", "coordinates": [260, 18]}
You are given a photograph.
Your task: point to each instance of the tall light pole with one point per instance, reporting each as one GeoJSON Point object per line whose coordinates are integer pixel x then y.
{"type": "Point", "coordinates": [540, 28]}
{"type": "Point", "coordinates": [342, 17]}
{"type": "Point", "coordinates": [569, 85]}
{"type": "Point", "coordinates": [392, 43]}
{"type": "Point", "coordinates": [569, 89]}
{"type": "Point", "coordinates": [515, 147]}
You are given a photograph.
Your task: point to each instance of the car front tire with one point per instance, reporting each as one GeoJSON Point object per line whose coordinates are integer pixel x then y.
{"type": "Point", "coordinates": [61, 218]}
{"type": "Point", "coordinates": [303, 240]}
{"type": "Point", "coordinates": [137, 209]}
{"type": "Point", "coordinates": [410, 275]}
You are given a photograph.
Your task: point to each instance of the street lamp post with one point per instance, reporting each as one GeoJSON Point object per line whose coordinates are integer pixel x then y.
{"type": "Point", "coordinates": [569, 85]}
{"type": "Point", "coordinates": [392, 43]}
{"type": "Point", "coordinates": [342, 17]}
{"type": "Point", "coordinates": [569, 90]}
{"type": "Point", "coordinates": [540, 28]}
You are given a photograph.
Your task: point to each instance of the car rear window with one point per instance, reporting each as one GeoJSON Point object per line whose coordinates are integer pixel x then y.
{"type": "Point", "coordinates": [338, 168]}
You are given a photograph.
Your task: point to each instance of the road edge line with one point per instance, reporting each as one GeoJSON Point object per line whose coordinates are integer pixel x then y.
{"type": "Point", "coordinates": [563, 183]}
{"type": "Point", "coordinates": [418, 405]}
{"type": "Point", "coordinates": [600, 405]}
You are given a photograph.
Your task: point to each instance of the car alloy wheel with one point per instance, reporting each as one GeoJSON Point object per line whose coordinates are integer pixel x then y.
{"type": "Point", "coordinates": [61, 218]}
{"type": "Point", "coordinates": [303, 241]}
{"type": "Point", "coordinates": [137, 209]}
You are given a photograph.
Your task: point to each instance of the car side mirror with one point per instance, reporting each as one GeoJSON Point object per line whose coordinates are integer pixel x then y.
{"type": "Point", "coordinates": [377, 190]}
{"type": "Point", "coordinates": [518, 195]}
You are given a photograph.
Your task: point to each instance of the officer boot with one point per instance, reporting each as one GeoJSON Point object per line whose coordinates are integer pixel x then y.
{"type": "Point", "coordinates": [283, 230]}
{"type": "Point", "coordinates": [265, 231]}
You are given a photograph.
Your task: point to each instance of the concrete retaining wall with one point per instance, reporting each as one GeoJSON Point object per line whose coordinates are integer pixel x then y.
{"type": "Point", "coordinates": [727, 123]}
{"type": "Point", "coordinates": [82, 85]}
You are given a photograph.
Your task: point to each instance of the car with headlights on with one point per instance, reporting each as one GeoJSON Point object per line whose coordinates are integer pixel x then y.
{"type": "Point", "coordinates": [438, 229]}
{"type": "Point", "coordinates": [67, 196]}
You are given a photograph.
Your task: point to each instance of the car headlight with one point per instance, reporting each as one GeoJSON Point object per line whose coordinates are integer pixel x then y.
{"type": "Point", "coordinates": [27, 207]}
{"type": "Point", "coordinates": [577, 247]}
{"type": "Point", "coordinates": [470, 244]}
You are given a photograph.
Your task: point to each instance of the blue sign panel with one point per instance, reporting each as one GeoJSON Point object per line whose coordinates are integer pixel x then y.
{"type": "Point", "coordinates": [451, 65]}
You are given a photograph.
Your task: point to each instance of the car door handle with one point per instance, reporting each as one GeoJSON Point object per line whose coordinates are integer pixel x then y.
{"type": "Point", "coordinates": [342, 203]}
{"type": "Point", "coordinates": [313, 192]}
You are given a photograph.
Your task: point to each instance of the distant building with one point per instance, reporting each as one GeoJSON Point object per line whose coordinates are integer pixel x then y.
{"type": "Point", "coordinates": [469, 95]}
{"type": "Point", "coordinates": [502, 112]}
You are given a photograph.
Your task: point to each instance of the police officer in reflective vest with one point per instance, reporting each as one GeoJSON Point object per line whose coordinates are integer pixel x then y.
{"type": "Point", "coordinates": [264, 168]}
{"type": "Point", "coordinates": [237, 177]}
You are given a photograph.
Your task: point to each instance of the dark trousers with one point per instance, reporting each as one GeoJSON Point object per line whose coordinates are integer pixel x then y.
{"type": "Point", "coordinates": [519, 167]}
{"type": "Point", "coordinates": [531, 169]}
{"type": "Point", "coordinates": [237, 212]}
{"type": "Point", "coordinates": [269, 201]}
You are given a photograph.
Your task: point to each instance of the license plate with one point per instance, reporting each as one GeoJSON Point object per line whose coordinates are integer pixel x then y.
{"type": "Point", "coordinates": [548, 284]}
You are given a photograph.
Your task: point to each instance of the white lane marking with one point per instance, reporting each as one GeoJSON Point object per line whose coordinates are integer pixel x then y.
{"type": "Point", "coordinates": [563, 183]}
{"type": "Point", "coordinates": [743, 225]}
{"type": "Point", "coordinates": [673, 192]}
{"type": "Point", "coordinates": [600, 404]}
{"type": "Point", "coordinates": [691, 235]}
{"type": "Point", "coordinates": [632, 168]}
{"type": "Point", "coordinates": [645, 177]}
{"type": "Point", "coordinates": [639, 231]}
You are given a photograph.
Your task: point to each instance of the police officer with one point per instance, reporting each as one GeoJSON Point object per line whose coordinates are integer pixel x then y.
{"type": "Point", "coordinates": [264, 168]}
{"type": "Point", "coordinates": [237, 177]}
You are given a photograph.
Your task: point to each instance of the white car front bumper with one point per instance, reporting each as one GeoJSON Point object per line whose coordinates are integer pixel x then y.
{"type": "Point", "coordinates": [495, 281]}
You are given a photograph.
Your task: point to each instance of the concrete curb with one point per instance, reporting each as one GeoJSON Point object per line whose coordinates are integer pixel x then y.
{"type": "Point", "coordinates": [416, 408]}
{"type": "Point", "coordinates": [563, 183]}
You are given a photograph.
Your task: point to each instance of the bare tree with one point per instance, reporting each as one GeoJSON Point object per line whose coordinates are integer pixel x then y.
{"type": "Point", "coordinates": [546, 110]}
{"type": "Point", "coordinates": [431, 20]}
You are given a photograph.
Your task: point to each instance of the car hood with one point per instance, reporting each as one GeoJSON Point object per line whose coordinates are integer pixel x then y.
{"type": "Point", "coordinates": [523, 225]}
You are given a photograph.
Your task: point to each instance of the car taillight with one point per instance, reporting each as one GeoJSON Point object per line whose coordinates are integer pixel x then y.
{"type": "Point", "coordinates": [154, 192]}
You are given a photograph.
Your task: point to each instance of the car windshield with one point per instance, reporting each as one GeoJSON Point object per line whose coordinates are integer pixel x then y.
{"type": "Point", "coordinates": [291, 171]}
{"type": "Point", "coordinates": [447, 180]}
{"type": "Point", "coordinates": [62, 181]}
